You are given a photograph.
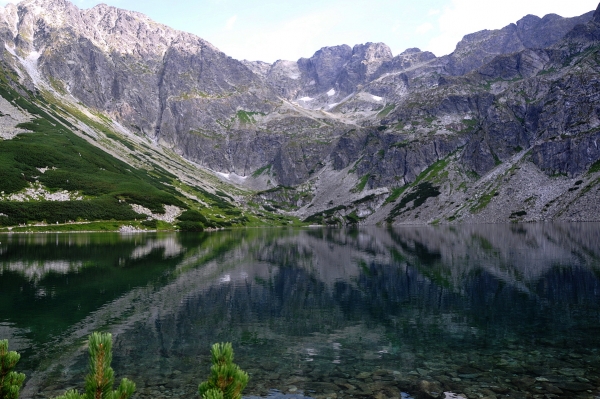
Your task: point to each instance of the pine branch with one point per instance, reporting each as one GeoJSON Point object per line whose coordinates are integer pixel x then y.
{"type": "Point", "coordinates": [101, 377]}
{"type": "Point", "coordinates": [226, 378]}
{"type": "Point", "coordinates": [10, 381]}
{"type": "Point", "coordinates": [71, 394]}
{"type": "Point", "coordinates": [125, 390]}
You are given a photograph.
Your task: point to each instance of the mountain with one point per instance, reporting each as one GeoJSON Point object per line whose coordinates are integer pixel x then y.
{"type": "Point", "coordinates": [504, 128]}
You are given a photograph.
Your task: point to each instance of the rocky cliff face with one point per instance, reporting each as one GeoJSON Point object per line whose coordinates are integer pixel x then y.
{"type": "Point", "coordinates": [349, 134]}
{"type": "Point", "coordinates": [530, 32]}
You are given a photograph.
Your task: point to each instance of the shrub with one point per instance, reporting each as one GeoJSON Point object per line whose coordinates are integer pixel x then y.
{"type": "Point", "coordinates": [190, 226]}
{"type": "Point", "coordinates": [10, 381]}
{"type": "Point", "coordinates": [99, 382]}
{"type": "Point", "coordinates": [226, 380]}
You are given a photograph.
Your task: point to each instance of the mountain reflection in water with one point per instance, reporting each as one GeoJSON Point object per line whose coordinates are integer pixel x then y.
{"type": "Point", "coordinates": [489, 310]}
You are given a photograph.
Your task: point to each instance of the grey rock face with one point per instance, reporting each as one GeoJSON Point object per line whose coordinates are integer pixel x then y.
{"type": "Point", "coordinates": [260, 68]}
{"type": "Point", "coordinates": [164, 84]}
{"type": "Point", "coordinates": [286, 78]}
{"type": "Point", "coordinates": [364, 65]}
{"type": "Point", "coordinates": [530, 32]}
{"type": "Point", "coordinates": [531, 85]}
{"type": "Point", "coordinates": [342, 69]}
{"type": "Point", "coordinates": [324, 67]}
{"type": "Point", "coordinates": [409, 58]}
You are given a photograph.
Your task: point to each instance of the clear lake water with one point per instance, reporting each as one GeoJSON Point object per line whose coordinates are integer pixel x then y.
{"type": "Point", "coordinates": [469, 311]}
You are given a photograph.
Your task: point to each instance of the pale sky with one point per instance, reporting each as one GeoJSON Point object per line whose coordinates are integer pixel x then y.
{"type": "Point", "coordinates": [269, 30]}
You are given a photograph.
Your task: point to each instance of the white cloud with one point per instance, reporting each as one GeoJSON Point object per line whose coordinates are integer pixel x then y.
{"type": "Point", "coordinates": [424, 28]}
{"type": "Point", "coordinates": [461, 17]}
{"type": "Point", "coordinates": [284, 40]}
{"type": "Point", "coordinates": [230, 22]}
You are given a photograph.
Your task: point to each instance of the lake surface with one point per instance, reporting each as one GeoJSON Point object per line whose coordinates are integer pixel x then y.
{"type": "Point", "coordinates": [479, 310]}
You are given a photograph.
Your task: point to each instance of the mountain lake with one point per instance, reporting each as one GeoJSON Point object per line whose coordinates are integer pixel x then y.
{"type": "Point", "coordinates": [461, 311]}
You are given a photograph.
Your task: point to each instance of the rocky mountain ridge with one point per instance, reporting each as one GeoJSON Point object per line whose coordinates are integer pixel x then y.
{"type": "Point", "coordinates": [349, 135]}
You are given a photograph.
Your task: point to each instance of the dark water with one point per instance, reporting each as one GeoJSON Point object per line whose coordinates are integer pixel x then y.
{"type": "Point", "coordinates": [480, 311]}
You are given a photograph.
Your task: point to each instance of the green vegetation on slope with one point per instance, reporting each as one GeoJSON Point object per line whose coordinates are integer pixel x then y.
{"type": "Point", "coordinates": [384, 112]}
{"type": "Point", "coordinates": [326, 216]}
{"type": "Point", "coordinates": [247, 116]}
{"type": "Point", "coordinates": [421, 192]}
{"type": "Point", "coordinates": [594, 168]}
{"type": "Point", "coordinates": [106, 183]}
{"type": "Point", "coordinates": [53, 156]}
{"type": "Point", "coordinates": [260, 171]}
{"type": "Point", "coordinates": [360, 186]}
{"type": "Point", "coordinates": [483, 201]}
{"type": "Point", "coordinates": [417, 196]}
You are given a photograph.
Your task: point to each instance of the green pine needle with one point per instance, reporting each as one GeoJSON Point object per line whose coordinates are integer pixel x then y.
{"type": "Point", "coordinates": [10, 381]}
{"type": "Point", "coordinates": [101, 377]}
{"type": "Point", "coordinates": [226, 380]}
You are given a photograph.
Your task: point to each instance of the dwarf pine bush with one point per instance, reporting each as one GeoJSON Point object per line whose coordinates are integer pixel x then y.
{"type": "Point", "coordinates": [226, 380]}
{"type": "Point", "coordinates": [101, 377]}
{"type": "Point", "coordinates": [10, 381]}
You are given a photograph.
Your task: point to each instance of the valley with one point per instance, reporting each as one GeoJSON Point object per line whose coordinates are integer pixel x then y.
{"type": "Point", "coordinates": [110, 120]}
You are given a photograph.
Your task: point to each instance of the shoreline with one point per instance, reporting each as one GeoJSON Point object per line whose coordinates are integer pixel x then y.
{"type": "Point", "coordinates": [311, 226]}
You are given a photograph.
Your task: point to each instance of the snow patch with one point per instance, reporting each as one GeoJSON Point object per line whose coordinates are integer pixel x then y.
{"type": "Point", "coordinates": [333, 105]}
{"type": "Point", "coordinates": [376, 98]}
{"type": "Point", "coordinates": [331, 92]}
{"type": "Point", "coordinates": [306, 99]}
{"type": "Point", "coordinates": [10, 49]}
{"type": "Point", "coordinates": [234, 177]}
{"type": "Point", "coordinates": [30, 63]}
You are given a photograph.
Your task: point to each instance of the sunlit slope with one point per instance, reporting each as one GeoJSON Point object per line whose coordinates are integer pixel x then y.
{"type": "Point", "coordinates": [99, 178]}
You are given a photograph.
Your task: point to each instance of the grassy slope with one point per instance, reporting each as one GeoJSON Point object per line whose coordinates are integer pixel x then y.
{"type": "Point", "coordinates": [107, 184]}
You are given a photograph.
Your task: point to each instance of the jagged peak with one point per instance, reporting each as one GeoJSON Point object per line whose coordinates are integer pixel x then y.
{"type": "Point", "coordinates": [412, 50]}
{"type": "Point", "coordinates": [41, 7]}
{"type": "Point", "coordinates": [102, 6]}
{"type": "Point", "coordinates": [550, 17]}
{"type": "Point", "coordinates": [55, 13]}
{"type": "Point", "coordinates": [115, 16]}
{"type": "Point", "coordinates": [282, 62]}
{"type": "Point", "coordinates": [8, 7]}
{"type": "Point", "coordinates": [47, 3]}
{"type": "Point", "coordinates": [373, 48]}
{"type": "Point", "coordinates": [342, 50]}
{"type": "Point", "coordinates": [528, 21]}
{"type": "Point", "coordinates": [136, 32]}
{"type": "Point", "coordinates": [597, 14]}
{"type": "Point", "coordinates": [342, 47]}
{"type": "Point", "coordinates": [372, 52]}
{"type": "Point", "coordinates": [103, 9]}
